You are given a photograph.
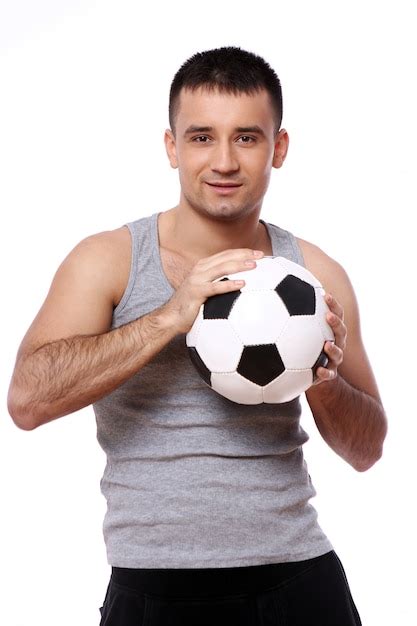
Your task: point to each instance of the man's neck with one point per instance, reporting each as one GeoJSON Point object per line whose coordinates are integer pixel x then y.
{"type": "Point", "coordinates": [194, 236]}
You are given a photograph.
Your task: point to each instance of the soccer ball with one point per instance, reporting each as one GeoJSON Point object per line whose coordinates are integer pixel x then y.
{"type": "Point", "coordinates": [264, 342]}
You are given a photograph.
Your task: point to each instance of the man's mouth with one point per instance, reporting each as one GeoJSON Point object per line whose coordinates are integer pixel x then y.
{"type": "Point", "coordinates": [220, 184]}
{"type": "Point", "coordinates": [223, 188]}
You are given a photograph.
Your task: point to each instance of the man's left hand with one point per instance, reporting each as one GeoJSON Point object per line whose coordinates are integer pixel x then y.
{"type": "Point", "coordinates": [333, 349]}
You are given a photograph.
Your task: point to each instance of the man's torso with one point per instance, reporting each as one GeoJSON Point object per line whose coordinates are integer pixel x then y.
{"type": "Point", "coordinates": [177, 265]}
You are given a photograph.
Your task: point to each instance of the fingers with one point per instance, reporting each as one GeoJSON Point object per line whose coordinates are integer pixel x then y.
{"type": "Point", "coordinates": [333, 349]}
{"type": "Point", "coordinates": [330, 371]}
{"type": "Point", "coordinates": [335, 317]}
{"type": "Point", "coordinates": [223, 264]}
{"type": "Point", "coordinates": [334, 353]}
{"type": "Point", "coordinates": [234, 253]}
{"type": "Point", "coordinates": [323, 374]}
{"type": "Point", "coordinates": [202, 282]}
{"type": "Point", "coordinates": [228, 262]}
{"type": "Point", "coordinates": [334, 306]}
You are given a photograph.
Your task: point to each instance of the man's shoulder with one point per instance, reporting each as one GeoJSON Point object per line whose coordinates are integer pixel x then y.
{"type": "Point", "coordinates": [329, 271]}
{"type": "Point", "coordinates": [106, 247]}
{"type": "Point", "coordinates": [112, 241]}
{"type": "Point", "coordinates": [104, 257]}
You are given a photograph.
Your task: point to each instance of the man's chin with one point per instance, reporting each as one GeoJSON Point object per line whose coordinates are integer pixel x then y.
{"type": "Point", "coordinates": [223, 212]}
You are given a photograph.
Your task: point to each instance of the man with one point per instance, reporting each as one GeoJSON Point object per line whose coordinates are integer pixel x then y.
{"type": "Point", "coordinates": [208, 518]}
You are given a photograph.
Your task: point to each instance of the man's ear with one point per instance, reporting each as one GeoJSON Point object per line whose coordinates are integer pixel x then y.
{"type": "Point", "coordinates": [171, 148]}
{"type": "Point", "coordinates": [281, 148]}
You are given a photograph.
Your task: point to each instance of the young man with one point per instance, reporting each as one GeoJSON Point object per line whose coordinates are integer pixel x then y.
{"type": "Point", "coordinates": [208, 518]}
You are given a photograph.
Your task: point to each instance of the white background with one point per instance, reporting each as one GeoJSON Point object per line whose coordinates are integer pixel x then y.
{"type": "Point", "coordinates": [83, 105]}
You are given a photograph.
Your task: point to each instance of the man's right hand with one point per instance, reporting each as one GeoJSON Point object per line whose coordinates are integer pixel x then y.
{"type": "Point", "coordinates": [203, 282]}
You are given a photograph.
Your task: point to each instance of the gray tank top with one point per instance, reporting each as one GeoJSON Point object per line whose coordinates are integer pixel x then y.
{"type": "Point", "coordinates": [193, 480]}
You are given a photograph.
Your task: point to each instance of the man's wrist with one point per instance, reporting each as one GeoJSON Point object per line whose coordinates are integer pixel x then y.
{"type": "Point", "coordinates": [164, 321]}
{"type": "Point", "coordinates": [327, 389]}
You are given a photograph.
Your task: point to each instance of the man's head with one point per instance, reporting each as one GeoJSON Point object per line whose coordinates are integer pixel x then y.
{"type": "Point", "coordinates": [225, 134]}
{"type": "Point", "coordinates": [226, 70]}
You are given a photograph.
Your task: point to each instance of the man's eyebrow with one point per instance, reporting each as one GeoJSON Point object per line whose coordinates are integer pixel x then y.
{"type": "Point", "coordinates": [250, 129]}
{"type": "Point", "coordinates": [198, 129]}
{"type": "Point", "coordinates": [240, 129]}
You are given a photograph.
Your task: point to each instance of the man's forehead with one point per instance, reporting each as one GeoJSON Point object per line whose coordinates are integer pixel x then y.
{"type": "Point", "coordinates": [209, 102]}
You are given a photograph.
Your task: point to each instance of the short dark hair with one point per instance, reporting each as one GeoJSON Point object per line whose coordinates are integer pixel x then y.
{"type": "Point", "coordinates": [228, 70]}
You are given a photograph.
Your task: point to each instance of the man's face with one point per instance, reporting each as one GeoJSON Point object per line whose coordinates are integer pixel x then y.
{"type": "Point", "coordinates": [224, 148]}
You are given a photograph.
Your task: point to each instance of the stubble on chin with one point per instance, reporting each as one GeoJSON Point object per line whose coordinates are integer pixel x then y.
{"type": "Point", "coordinates": [225, 211]}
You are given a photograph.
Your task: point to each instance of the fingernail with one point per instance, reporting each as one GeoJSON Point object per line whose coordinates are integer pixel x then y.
{"type": "Point", "coordinates": [257, 253]}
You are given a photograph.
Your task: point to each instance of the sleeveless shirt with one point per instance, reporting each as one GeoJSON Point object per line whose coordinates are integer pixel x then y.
{"type": "Point", "coordinates": [193, 480]}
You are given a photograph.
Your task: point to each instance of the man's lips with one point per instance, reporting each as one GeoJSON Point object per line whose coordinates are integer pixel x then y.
{"type": "Point", "coordinates": [223, 188]}
{"type": "Point", "coordinates": [219, 184]}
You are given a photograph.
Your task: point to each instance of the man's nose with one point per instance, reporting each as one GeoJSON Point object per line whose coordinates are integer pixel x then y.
{"type": "Point", "coordinates": [224, 159]}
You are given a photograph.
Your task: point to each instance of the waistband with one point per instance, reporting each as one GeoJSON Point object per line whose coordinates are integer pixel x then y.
{"type": "Point", "coordinates": [209, 582]}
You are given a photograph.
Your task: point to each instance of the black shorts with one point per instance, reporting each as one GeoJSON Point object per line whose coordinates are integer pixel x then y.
{"type": "Point", "coordinates": [305, 593]}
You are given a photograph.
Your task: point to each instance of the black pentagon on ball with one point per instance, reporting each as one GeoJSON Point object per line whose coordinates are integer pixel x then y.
{"type": "Point", "coordinates": [219, 307]}
{"type": "Point", "coordinates": [199, 365]}
{"type": "Point", "coordinates": [298, 296]}
{"type": "Point", "coordinates": [321, 362]}
{"type": "Point", "coordinates": [260, 364]}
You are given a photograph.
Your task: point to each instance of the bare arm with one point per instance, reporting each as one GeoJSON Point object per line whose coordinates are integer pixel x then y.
{"type": "Point", "coordinates": [351, 421]}
{"type": "Point", "coordinates": [70, 358]}
{"type": "Point", "coordinates": [346, 404]}
{"type": "Point", "coordinates": [68, 374]}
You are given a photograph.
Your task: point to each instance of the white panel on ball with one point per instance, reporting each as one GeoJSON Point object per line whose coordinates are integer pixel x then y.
{"type": "Point", "coordinates": [321, 310]}
{"type": "Point", "coordinates": [301, 342]}
{"type": "Point", "coordinates": [267, 275]}
{"type": "Point", "coordinates": [191, 337]}
{"type": "Point", "coordinates": [219, 344]}
{"type": "Point", "coordinates": [253, 306]}
{"type": "Point", "coordinates": [233, 386]}
{"type": "Point", "coordinates": [287, 386]}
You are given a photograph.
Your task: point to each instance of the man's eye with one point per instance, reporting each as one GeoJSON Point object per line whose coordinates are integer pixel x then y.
{"type": "Point", "coordinates": [246, 139]}
{"type": "Point", "coordinates": [201, 139]}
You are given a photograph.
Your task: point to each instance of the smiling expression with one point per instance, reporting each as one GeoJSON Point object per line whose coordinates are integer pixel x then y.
{"type": "Point", "coordinates": [224, 148]}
